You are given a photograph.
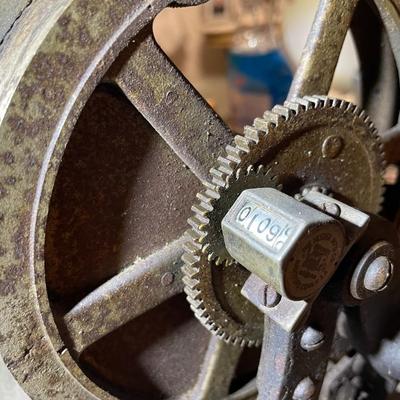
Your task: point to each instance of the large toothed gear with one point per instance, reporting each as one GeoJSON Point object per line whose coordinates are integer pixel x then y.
{"type": "Point", "coordinates": [312, 141]}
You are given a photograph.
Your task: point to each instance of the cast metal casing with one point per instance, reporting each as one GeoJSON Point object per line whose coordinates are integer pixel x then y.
{"type": "Point", "coordinates": [289, 245]}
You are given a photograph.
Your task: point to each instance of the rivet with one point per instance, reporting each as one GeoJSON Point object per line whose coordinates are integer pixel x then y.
{"type": "Point", "coordinates": [304, 390]}
{"type": "Point", "coordinates": [378, 274]}
{"type": "Point", "coordinates": [332, 146]}
{"type": "Point", "coordinates": [312, 339]}
{"type": "Point", "coordinates": [167, 279]}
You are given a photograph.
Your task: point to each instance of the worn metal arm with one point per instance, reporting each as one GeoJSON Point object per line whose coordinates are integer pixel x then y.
{"type": "Point", "coordinates": [172, 106]}
{"type": "Point", "coordinates": [110, 306]}
{"type": "Point", "coordinates": [220, 363]}
{"type": "Point", "coordinates": [293, 363]}
{"type": "Point", "coordinates": [321, 53]}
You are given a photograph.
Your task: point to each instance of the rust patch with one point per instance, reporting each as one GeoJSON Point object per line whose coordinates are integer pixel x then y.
{"type": "Point", "coordinates": [8, 283]}
{"type": "Point", "coordinates": [3, 192]}
{"type": "Point", "coordinates": [8, 158]}
{"type": "Point", "coordinates": [10, 180]}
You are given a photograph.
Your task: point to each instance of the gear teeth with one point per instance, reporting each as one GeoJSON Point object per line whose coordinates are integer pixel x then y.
{"type": "Point", "coordinates": [304, 104]}
{"type": "Point", "coordinates": [363, 116]}
{"type": "Point", "coordinates": [199, 219]}
{"type": "Point", "coordinates": [218, 177]}
{"type": "Point", "coordinates": [315, 101]}
{"type": "Point", "coordinates": [206, 205]}
{"type": "Point", "coordinates": [202, 315]}
{"type": "Point", "coordinates": [192, 247]}
{"type": "Point", "coordinates": [252, 133]}
{"type": "Point", "coordinates": [208, 185]}
{"type": "Point", "coordinates": [263, 125]}
{"type": "Point", "coordinates": [272, 117]}
{"type": "Point", "coordinates": [295, 107]}
{"type": "Point", "coordinates": [194, 303]}
{"type": "Point", "coordinates": [190, 287]}
{"type": "Point", "coordinates": [190, 272]}
{"type": "Point", "coordinates": [203, 197]}
{"type": "Point", "coordinates": [250, 169]}
{"type": "Point", "coordinates": [197, 225]}
{"type": "Point", "coordinates": [201, 211]}
{"type": "Point", "coordinates": [352, 108]}
{"type": "Point", "coordinates": [285, 112]}
{"type": "Point", "coordinates": [190, 259]}
{"type": "Point", "coordinates": [225, 165]}
{"type": "Point", "coordinates": [261, 169]}
{"type": "Point", "coordinates": [243, 143]}
{"type": "Point", "coordinates": [213, 194]}
{"type": "Point", "coordinates": [326, 100]}
{"type": "Point", "coordinates": [211, 256]}
{"type": "Point", "coordinates": [219, 261]}
{"type": "Point", "coordinates": [234, 154]}
{"type": "Point", "coordinates": [200, 249]}
{"type": "Point", "coordinates": [191, 235]}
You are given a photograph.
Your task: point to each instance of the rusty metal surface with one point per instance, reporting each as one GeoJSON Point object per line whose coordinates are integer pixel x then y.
{"type": "Point", "coordinates": [321, 53]}
{"type": "Point", "coordinates": [116, 175]}
{"type": "Point", "coordinates": [36, 127]}
{"type": "Point", "coordinates": [66, 231]}
{"type": "Point", "coordinates": [158, 355]}
{"type": "Point", "coordinates": [171, 106]}
{"type": "Point", "coordinates": [285, 364]}
{"type": "Point", "coordinates": [111, 305]}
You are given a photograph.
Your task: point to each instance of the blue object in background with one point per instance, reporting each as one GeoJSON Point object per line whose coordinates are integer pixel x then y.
{"type": "Point", "coordinates": [266, 73]}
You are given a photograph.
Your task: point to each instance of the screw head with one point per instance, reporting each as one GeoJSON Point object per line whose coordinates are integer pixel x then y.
{"type": "Point", "coordinates": [304, 390]}
{"type": "Point", "coordinates": [312, 339]}
{"type": "Point", "coordinates": [332, 146]}
{"type": "Point", "coordinates": [378, 274]}
{"type": "Point", "coordinates": [271, 297]}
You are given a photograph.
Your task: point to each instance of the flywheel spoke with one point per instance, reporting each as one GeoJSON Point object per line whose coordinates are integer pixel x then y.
{"type": "Point", "coordinates": [321, 53]}
{"type": "Point", "coordinates": [139, 288]}
{"type": "Point", "coordinates": [172, 106]}
{"type": "Point", "coordinates": [217, 371]}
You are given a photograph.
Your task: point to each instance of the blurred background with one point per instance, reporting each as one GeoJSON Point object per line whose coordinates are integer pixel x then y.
{"type": "Point", "coordinates": [241, 54]}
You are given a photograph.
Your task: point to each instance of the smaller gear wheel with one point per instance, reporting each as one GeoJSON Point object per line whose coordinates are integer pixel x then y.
{"type": "Point", "coordinates": [214, 292]}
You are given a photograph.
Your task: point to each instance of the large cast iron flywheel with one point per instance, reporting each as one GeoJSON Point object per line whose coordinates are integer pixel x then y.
{"type": "Point", "coordinates": [103, 146]}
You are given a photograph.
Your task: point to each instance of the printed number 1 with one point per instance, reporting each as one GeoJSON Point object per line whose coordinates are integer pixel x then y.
{"type": "Point", "coordinates": [252, 220]}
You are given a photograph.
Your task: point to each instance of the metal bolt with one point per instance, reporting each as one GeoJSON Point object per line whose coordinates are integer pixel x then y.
{"type": "Point", "coordinates": [304, 390]}
{"type": "Point", "coordinates": [312, 339]}
{"type": "Point", "coordinates": [167, 279]}
{"type": "Point", "coordinates": [332, 146]}
{"type": "Point", "coordinates": [378, 274]}
{"type": "Point", "coordinates": [332, 209]}
{"type": "Point", "coordinates": [374, 271]}
{"type": "Point", "coordinates": [271, 297]}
